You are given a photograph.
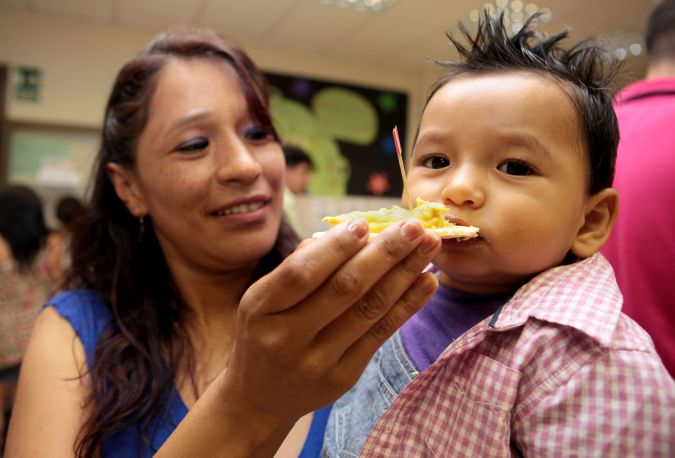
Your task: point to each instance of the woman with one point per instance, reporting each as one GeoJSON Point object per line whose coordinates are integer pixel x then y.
{"type": "Point", "coordinates": [24, 284]}
{"type": "Point", "coordinates": [184, 245]}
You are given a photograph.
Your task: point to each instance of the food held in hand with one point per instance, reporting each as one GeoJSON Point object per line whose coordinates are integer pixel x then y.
{"type": "Point", "coordinates": [432, 215]}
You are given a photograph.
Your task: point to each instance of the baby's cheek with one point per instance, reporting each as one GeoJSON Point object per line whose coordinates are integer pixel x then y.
{"type": "Point", "coordinates": [537, 254]}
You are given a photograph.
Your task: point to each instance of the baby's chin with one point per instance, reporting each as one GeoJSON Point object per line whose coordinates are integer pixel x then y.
{"type": "Point", "coordinates": [482, 283]}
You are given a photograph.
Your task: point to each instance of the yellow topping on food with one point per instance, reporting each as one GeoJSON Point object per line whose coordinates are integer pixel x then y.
{"type": "Point", "coordinates": [430, 213]}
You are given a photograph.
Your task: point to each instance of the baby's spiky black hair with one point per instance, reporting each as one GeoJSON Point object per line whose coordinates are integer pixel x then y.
{"type": "Point", "coordinates": [584, 69]}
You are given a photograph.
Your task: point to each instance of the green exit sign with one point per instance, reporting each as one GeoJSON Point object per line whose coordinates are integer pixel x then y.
{"type": "Point", "coordinates": [27, 83]}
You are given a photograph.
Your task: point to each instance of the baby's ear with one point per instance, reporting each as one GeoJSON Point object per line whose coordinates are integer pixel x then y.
{"type": "Point", "coordinates": [601, 211]}
{"type": "Point", "coordinates": [124, 182]}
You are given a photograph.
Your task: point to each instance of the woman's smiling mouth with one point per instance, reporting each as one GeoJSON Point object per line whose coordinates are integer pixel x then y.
{"type": "Point", "coordinates": [241, 208]}
{"type": "Point", "coordinates": [244, 210]}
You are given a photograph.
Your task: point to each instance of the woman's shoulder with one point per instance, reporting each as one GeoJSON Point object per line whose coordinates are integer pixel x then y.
{"type": "Point", "coordinates": [77, 297]}
{"type": "Point", "coordinates": [87, 312]}
{"type": "Point", "coordinates": [80, 305]}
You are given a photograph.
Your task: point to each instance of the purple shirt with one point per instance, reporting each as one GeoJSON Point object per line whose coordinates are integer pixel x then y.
{"type": "Point", "coordinates": [446, 316]}
{"type": "Point", "coordinates": [641, 248]}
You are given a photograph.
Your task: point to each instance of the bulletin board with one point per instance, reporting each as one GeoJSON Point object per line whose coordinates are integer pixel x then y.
{"type": "Point", "coordinates": [346, 129]}
{"type": "Point", "coordinates": [49, 156]}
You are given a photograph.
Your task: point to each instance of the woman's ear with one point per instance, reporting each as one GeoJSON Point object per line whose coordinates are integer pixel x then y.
{"type": "Point", "coordinates": [601, 211]}
{"type": "Point", "coordinates": [126, 187]}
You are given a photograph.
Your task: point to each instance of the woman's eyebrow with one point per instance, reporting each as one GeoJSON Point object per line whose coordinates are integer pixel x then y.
{"type": "Point", "coordinates": [187, 120]}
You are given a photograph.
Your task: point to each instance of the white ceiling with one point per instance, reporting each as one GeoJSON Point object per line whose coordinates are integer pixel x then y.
{"type": "Point", "coordinates": [403, 35]}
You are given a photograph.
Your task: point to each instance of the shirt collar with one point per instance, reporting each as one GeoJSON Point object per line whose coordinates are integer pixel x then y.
{"type": "Point", "coordinates": [582, 295]}
{"type": "Point", "coordinates": [644, 87]}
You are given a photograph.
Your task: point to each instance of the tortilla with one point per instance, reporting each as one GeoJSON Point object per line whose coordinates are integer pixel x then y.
{"type": "Point", "coordinates": [430, 213]}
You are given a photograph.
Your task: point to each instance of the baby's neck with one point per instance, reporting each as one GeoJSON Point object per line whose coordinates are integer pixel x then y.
{"type": "Point", "coordinates": [479, 289]}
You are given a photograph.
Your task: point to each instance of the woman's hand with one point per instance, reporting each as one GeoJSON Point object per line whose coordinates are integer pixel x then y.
{"type": "Point", "coordinates": [306, 331]}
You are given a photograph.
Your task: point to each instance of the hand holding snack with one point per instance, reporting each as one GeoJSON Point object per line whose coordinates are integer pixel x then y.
{"type": "Point", "coordinates": [430, 213]}
{"type": "Point", "coordinates": [319, 326]}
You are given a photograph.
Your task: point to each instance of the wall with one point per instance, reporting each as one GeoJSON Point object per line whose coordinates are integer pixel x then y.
{"type": "Point", "coordinates": [79, 60]}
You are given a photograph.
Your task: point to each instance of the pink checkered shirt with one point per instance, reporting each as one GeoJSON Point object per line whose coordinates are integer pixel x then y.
{"type": "Point", "coordinates": [562, 373]}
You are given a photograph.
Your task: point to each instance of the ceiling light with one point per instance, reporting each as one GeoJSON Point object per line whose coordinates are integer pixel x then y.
{"type": "Point", "coordinates": [619, 44]}
{"type": "Point", "coordinates": [635, 49]}
{"type": "Point", "coordinates": [515, 12]}
{"type": "Point", "coordinates": [531, 8]}
{"type": "Point", "coordinates": [359, 5]}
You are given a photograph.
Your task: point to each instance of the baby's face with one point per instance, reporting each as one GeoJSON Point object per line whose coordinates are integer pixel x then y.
{"type": "Point", "coordinates": [504, 153]}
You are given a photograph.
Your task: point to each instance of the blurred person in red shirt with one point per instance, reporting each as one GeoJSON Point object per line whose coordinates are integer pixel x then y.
{"type": "Point", "coordinates": [642, 248]}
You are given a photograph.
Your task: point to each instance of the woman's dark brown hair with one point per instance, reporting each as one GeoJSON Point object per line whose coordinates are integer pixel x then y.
{"type": "Point", "coordinates": [135, 359]}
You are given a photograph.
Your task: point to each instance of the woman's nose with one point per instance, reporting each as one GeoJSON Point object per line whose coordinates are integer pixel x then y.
{"type": "Point", "coordinates": [237, 163]}
{"type": "Point", "coordinates": [465, 186]}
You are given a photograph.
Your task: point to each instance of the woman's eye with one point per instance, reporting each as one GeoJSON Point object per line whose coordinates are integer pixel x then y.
{"type": "Point", "coordinates": [513, 167]}
{"type": "Point", "coordinates": [257, 133]}
{"type": "Point", "coordinates": [436, 162]}
{"type": "Point", "coordinates": [195, 144]}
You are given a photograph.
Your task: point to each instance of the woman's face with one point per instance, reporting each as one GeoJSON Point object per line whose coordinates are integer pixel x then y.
{"type": "Point", "coordinates": [208, 175]}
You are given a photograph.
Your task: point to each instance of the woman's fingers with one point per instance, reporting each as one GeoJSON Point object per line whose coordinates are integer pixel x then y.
{"type": "Point", "coordinates": [305, 270]}
{"type": "Point", "coordinates": [358, 275]}
{"type": "Point", "coordinates": [319, 282]}
{"type": "Point", "coordinates": [355, 359]}
{"type": "Point", "coordinates": [318, 291]}
{"type": "Point", "coordinates": [359, 319]}
{"type": "Point", "coordinates": [280, 315]}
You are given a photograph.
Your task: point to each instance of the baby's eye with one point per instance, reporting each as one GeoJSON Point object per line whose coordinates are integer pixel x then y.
{"type": "Point", "coordinates": [257, 133]}
{"type": "Point", "coordinates": [193, 145]}
{"type": "Point", "coordinates": [515, 167]}
{"type": "Point", "coordinates": [436, 162]}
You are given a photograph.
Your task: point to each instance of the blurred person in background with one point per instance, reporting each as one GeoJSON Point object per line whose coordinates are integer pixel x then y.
{"type": "Point", "coordinates": [641, 248]}
{"type": "Point", "coordinates": [69, 209]}
{"type": "Point", "coordinates": [299, 168]}
{"type": "Point", "coordinates": [192, 326]}
{"type": "Point", "coordinates": [24, 283]}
